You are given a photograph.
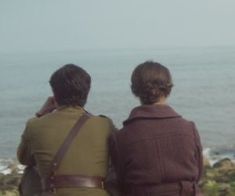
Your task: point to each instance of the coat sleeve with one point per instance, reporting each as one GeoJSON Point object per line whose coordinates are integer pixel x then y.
{"type": "Point", "coordinates": [115, 164]}
{"type": "Point", "coordinates": [198, 153]}
{"type": "Point", "coordinates": [24, 152]}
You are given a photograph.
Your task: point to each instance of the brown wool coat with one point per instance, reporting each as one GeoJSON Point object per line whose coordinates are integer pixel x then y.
{"type": "Point", "coordinates": [157, 153]}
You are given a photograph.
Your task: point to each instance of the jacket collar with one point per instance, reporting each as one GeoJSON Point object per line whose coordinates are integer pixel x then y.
{"type": "Point", "coordinates": [70, 109]}
{"type": "Point", "coordinates": [151, 112]}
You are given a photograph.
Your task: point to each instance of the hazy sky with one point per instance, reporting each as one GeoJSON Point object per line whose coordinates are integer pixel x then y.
{"type": "Point", "coordinates": [38, 25]}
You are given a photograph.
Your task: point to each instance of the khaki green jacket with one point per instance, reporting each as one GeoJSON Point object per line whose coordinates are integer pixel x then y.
{"type": "Point", "coordinates": [87, 155]}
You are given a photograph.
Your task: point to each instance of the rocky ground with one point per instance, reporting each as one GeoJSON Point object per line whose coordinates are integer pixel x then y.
{"type": "Point", "coordinates": [218, 180]}
{"type": "Point", "coordinates": [9, 182]}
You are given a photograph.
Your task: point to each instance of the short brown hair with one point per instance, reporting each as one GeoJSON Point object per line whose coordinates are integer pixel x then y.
{"type": "Point", "coordinates": [70, 85]}
{"type": "Point", "coordinates": [150, 81]}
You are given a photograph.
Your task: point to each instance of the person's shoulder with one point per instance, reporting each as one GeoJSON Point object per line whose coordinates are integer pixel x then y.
{"type": "Point", "coordinates": [101, 118]}
{"type": "Point", "coordinates": [189, 126]}
{"type": "Point", "coordinates": [38, 121]}
{"type": "Point", "coordinates": [32, 121]}
{"type": "Point", "coordinates": [102, 121]}
{"type": "Point", "coordinates": [187, 123]}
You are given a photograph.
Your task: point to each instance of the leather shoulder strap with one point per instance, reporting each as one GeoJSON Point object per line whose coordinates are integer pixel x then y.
{"type": "Point", "coordinates": [67, 142]}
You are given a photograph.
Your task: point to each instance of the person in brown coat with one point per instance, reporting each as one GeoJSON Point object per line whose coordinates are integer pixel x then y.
{"type": "Point", "coordinates": [157, 152]}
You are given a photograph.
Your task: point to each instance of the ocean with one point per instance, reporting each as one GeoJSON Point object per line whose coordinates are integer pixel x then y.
{"type": "Point", "coordinates": [204, 88]}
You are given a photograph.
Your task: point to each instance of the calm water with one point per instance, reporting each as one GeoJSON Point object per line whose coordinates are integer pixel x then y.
{"type": "Point", "coordinates": [204, 88]}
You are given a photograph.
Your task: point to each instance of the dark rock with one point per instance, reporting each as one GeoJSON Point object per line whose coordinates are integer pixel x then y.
{"type": "Point", "coordinates": [224, 164]}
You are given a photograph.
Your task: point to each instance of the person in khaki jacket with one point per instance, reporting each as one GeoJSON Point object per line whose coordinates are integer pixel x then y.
{"type": "Point", "coordinates": [86, 161]}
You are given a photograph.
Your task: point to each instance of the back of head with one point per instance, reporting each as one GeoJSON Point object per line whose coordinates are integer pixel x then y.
{"type": "Point", "coordinates": [70, 85]}
{"type": "Point", "coordinates": [151, 81]}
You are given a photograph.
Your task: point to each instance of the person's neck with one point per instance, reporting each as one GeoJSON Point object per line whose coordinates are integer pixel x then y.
{"type": "Point", "coordinates": [161, 101]}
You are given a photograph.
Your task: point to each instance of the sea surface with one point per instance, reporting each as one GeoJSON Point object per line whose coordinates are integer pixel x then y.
{"type": "Point", "coordinates": [204, 88]}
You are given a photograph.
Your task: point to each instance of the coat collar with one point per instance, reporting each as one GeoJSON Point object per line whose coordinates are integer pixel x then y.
{"type": "Point", "coordinates": [151, 112]}
{"type": "Point", "coordinates": [70, 109]}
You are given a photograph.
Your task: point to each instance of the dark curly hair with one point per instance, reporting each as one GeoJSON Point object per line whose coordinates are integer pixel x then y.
{"type": "Point", "coordinates": [70, 85]}
{"type": "Point", "coordinates": [150, 81]}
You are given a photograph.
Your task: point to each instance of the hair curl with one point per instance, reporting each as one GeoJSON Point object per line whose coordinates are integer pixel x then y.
{"type": "Point", "coordinates": [70, 85]}
{"type": "Point", "coordinates": [150, 81]}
